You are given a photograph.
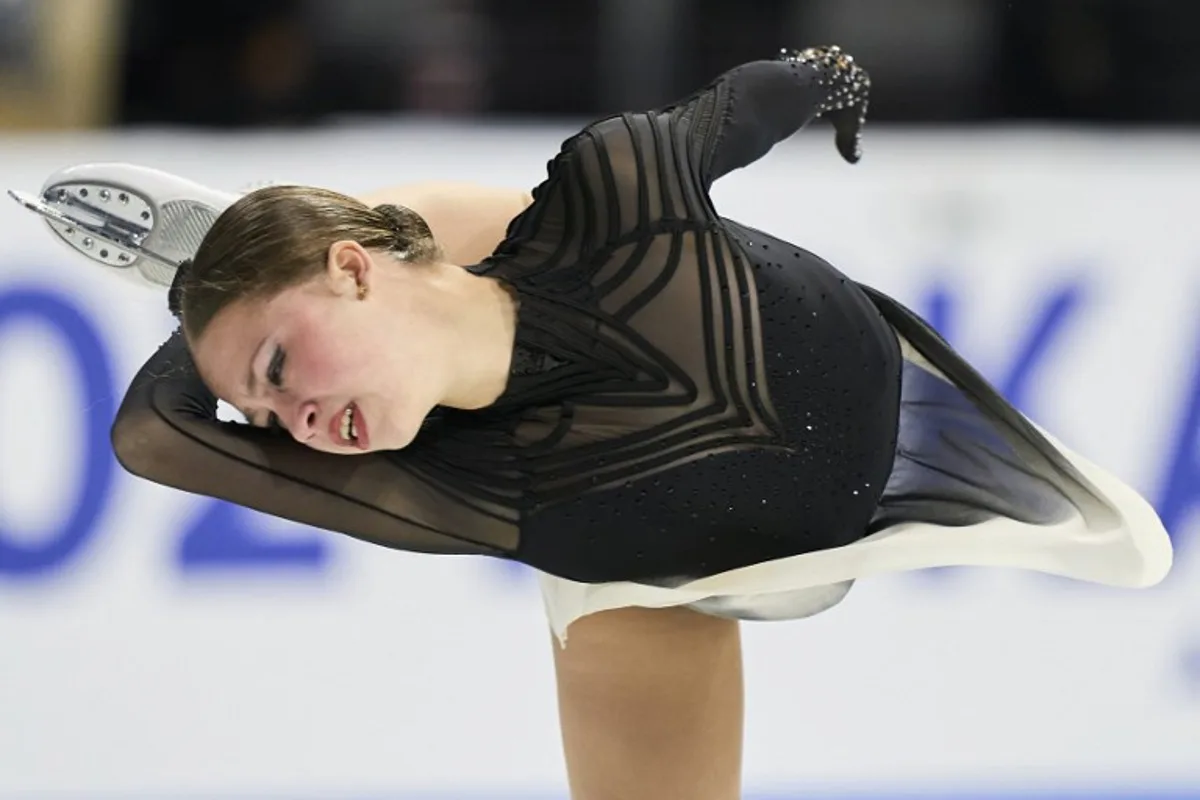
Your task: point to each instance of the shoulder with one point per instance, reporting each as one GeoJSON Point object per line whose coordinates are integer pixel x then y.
{"type": "Point", "coordinates": [610, 130]}
{"type": "Point", "coordinates": [610, 151]}
{"type": "Point", "coordinates": [468, 220]}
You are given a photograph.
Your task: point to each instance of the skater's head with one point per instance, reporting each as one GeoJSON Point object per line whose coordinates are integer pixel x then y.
{"type": "Point", "coordinates": [302, 303]}
{"type": "Point", "coordinates": [280, 237]}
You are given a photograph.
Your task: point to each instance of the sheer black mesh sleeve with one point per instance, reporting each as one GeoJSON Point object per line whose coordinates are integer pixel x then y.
{"type": "Point", "coordinates": [631, 175]}
{"type": "Point", "coordinates": [660, 164]}
{"type": "Point", "coordinates": [167, 431]}
{"type": "Point", "coordinates": [753, 107]}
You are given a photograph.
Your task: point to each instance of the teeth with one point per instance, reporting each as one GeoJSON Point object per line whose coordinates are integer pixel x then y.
{"type": "Point", "coordinates": [348, 423]}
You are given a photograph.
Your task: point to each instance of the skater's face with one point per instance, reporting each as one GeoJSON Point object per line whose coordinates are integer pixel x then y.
{"type": "Point", "coordinates": [346, 362]}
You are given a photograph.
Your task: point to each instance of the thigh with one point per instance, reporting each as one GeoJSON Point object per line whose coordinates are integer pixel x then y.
{"type": "Point", "coordinates": [650, 703]}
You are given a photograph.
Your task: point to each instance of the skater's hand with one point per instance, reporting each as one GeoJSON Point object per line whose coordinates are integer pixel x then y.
{"type": "Point", "coordinates": [849, 88]}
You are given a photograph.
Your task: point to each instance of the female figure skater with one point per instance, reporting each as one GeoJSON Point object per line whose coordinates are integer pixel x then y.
{"type": "Point", "coordinates": [678, 420]}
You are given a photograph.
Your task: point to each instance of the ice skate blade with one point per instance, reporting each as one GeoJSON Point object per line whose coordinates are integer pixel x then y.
{"type": "Point", "coordinates": [109, 225]}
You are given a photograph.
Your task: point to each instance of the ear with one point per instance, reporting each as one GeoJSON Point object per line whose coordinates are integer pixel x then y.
{"type": "Point", "coordinates": [349, 269]}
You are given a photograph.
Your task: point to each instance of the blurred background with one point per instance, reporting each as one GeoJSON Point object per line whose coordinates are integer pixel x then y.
{"type": "Point", "coordinates": [1030, 183]}
{"type": "Point", "coordinates": [231, 64]}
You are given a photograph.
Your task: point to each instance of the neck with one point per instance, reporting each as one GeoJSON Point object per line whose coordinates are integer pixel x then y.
{"type": "Point", "coordinates": [482, 328]}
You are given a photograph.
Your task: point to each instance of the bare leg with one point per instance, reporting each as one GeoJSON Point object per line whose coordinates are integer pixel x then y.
{"type": "Point", "coordinates": [650, 702]}
{"type": "Point", "coordinates": [467, 220]}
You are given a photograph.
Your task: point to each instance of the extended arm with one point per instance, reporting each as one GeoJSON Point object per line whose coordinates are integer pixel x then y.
{"type": "Point", "coordinates": [753, 107]}
{"type": "Point", "coordinates": [167, 431]}
{"type": "Point", "coordinates": [630, 172]}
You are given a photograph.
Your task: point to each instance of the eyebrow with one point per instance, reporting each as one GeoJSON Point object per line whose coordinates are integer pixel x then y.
{"type": "Point", "coordinates": [252, 379]}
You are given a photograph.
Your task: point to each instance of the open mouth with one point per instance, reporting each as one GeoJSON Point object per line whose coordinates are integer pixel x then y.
{"type": "Point", "coordinates": [349, 428]}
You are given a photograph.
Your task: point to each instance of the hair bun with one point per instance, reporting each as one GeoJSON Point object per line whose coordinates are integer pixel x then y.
{"type": "Point", "coordinates": [412, 236]}
{"type": "Point", "coordinates": [394, 216]}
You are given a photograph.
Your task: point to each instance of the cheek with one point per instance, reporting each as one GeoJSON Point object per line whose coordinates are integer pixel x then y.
{"type": "Point", "coordinates": [333, 357]}
{"type": "Point", "coordinates": [317, 364]}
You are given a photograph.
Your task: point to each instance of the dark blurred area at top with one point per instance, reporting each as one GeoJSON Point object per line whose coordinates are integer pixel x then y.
{"type": "Point", "coordinates": [237, 63]}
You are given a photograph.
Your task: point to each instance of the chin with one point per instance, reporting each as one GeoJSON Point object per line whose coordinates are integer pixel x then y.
{"type": "Point", "coordinates": [395, 437]}
{"type": "Point", "coordinates": [399, 440]}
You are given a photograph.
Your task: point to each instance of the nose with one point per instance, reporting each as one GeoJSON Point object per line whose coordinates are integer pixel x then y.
{"type": "Point", "coordinates": [304, 418]}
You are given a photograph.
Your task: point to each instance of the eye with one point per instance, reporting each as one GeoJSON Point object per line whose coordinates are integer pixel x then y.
{"type": "Point", "coordinates": [274, 425]}
{"type": "Point", "coordinates": [275, 368]}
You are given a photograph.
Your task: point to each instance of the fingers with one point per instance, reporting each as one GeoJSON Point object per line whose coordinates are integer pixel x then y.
{"type": "Point", "coordinates": [848, 125]}
{"type": "Point", "coordinates": [847, 87]}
